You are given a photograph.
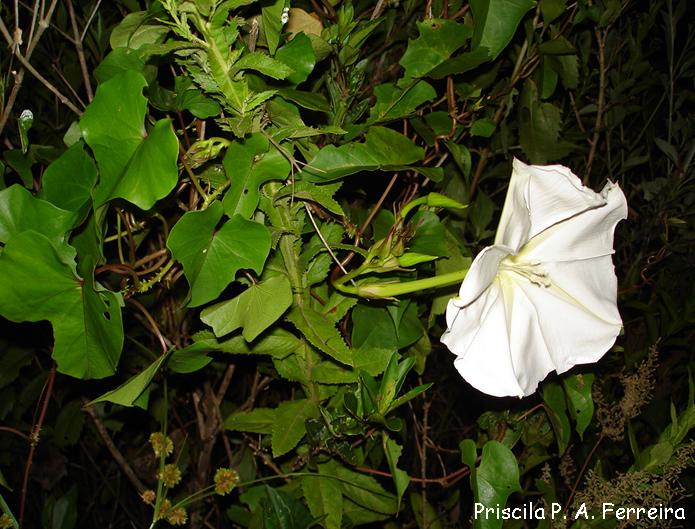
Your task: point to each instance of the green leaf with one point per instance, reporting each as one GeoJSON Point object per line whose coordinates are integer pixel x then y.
{"type": "Point", "coordinates": [282, 511]}
{"type": "Point", "coordinates": [462, 63]}
{"type": "Point", "coordinates": [324, 497]}
{"type": "Point", "coordinates": [318, 193]}
{"type": "Point", "coordinates": [425, 515]}
{"type": "Point", "coordinates": [119, 60]}
{"type": "Point", "coordinates": [496, 22]}
{"type": "Point", "coordinates": [555, 407]}
{"type": "Point", "coordinates": [272, 25]}
{"type": "Point", "coordinates": [68, 425]}
{"type": "Point", "coordinates": [289, 427]}
{"type": "Point", "coordinates": [496, 478]}
{"type": "Point", "coordinates": [321, 333]}
{"type": "Point", "coordinates": [438, 39]}
{"type": "Point", "coordinates": [393, 102]}
{"type": "Point", "coordinates": [277, 343]}
{"type": "Point", "coordinates": [259, 420]}
{"type": "Point", "coordinates": [69, 180]}
{"type": "Point", "coordinates": [383, 149]}
{"type": "Point", "coordinates": [210, 257]}
{"type": "Point", "coordinates": [12, 361]}
{"type": "Point", "coordinates": [484, 128]}
{"type": "Point", "coordinates": [308, 100]}
{"type": "Point", "coordinates": [551, 9]}
{"type": "Point", "coordinates": [362, 489]}
{"type": "Point", "coordinates": [429, 234]}
{"type": "Point", "coordinates": [38, 282]}
{"type": "Point", "coordinates": [539, 127]}
{"type": "Point", "coordinates": [249, 164]}
{"type": "Point", "coordinates": [400, 478]}
{"type": "Point", "coordinates": [128, 393]}
{"type": "Point", "coordinates": [189, 359]}
{"type": "Point", "coordinates": [255, 309]}
{"type": "Point", "coordinates": [134, 31]}
{"type": "Point", "coordinates": [264, 64]}
{"type": "Point", "coordinates": [579, 400]}
{"type": "Point", "coordinates": [21, 211]}
{"type": "Point", "coordinates": [132, 165]}
{"type": "Point", "coordinates": [299, 55]}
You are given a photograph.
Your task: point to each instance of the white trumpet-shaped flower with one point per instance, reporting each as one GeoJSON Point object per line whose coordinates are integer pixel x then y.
{"type": "Point", "coordinates": [543, 297]}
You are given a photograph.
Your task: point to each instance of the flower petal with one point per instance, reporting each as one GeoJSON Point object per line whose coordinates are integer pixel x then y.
{"type": "Point", "coordinates": [573, 334]}
{"type": "Point", "coordinates": [538, 197]}
{"type": "Point", "coordinates": [583, 236]}
{"type": "Point", "coordinates": [481, 274]}
{"type": "Point", "coordinates": [476, 335]}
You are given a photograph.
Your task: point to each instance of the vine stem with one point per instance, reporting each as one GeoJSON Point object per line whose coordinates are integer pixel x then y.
{"type": "Point", "coordinates": [600, 103]}
{"type": "Point", "coordinates": [34, 440]}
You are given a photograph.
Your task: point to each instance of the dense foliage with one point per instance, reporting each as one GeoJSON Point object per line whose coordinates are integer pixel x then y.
{"type": "Point", "coordinates": [230, 228]}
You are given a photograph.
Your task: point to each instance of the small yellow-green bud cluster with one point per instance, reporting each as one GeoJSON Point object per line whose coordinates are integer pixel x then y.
{"type": "Point", "coordinates": [225, 480]}
{"type": "Point", "coordinates": [170, 475]}
{"type": "Point", "coordinates": [161, 444]}
{"type": "Point", "coordinates": [5, 521]}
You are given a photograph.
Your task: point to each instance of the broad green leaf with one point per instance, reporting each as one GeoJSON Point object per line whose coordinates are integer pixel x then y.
{"type": "Point", "coordinates": [289, 427]}
{"type": "Point", "coordinates": [362, 489]}
{"type": "Point", "coordinates": [249, 164]}
{"type": "Point", "coordinates": [255, 309]}
{"type": "Point", "coordinates": [400, 478]}
{"type": "Point", "coordinates": [484, 128]}
{"type": "Point", "coordinates": [127, 393]}
{"type": "Point", "coordinates": [495, 22]}
{"type": "Point", "coordinates": [69, 180]}
{"type": "Point", "coordinates": [264, 64]}
{"type": "Point", "coordinates": [494, 480]}
{"type": "Point", "coordinates": [551, 9]}
{"type": "Point", "coordinates": [282, 511]}
{"type": "Point", "coordinates": [429, 234]}
{"type": "Point", "coordinates": [135, 166]}
{"type": "Point", "coordinates": [299, 55]}
{"type": "Point", "coordinates": [189, 359]}
{"type": "Point", "coordinates": [259, 420]}
{"type": "Point", "coordinates": [12, 361]}
{"type": "Point", "coordinates": [135, 31]}
{"type": "Point", "coordinates": [438, 39]}
{"type": "Point", "coordinates": [324, 497]}
{"type": "Point", "coordinates": [211, 257]}
{"type": "Point", "coordinates": [462, 63]}
{"type": "Point", "coordinates": [539, 127]}
{"type": "Point", "coordinates": [38, 282]}
{"type": "Point", "coordinates": [21, 163]}
{"type": "Point", "coordinates": [556, 408]}
{"type": "Point", "coordinates": [373, 327]}
{"type": "Point", "coordinates": [21, 211]}
{"type": "Point", "coordinates": [393, 102]}
{"type": "Point", "coordinates": [321, 333]}
{"type": "Point", "coordinates": [119, 60]}
{"type": "Point", "coordinates": [579, 400]}
{"type": "Point", "coordinates": [277, 343]}
{"type": "Point", "coordinates": [308, 100]}
{"type": "Point", "coordinates": [383, 149]}
{"type": "Point", "coordinates": [567, 67]}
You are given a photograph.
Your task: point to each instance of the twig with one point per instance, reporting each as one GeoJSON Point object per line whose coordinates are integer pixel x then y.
{"type": "Point", "coordinates": [153, 324]}
{"type": "Point", "coordinates": [581, 472]}
{"type": "Point", "coordinates": [115, 452]}
{"type": "Point", "coordinates": [15, 431]}
{"type": "Point", "coordinates": [80, 51]}
{"type": "Point", "coordinates": [600, 104]}
{"type": "Point", "coordinates": [34, 440]}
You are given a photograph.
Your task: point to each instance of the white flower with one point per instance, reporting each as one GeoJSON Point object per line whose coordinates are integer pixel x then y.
{"type": "Point", "coordinates": [543, 297]}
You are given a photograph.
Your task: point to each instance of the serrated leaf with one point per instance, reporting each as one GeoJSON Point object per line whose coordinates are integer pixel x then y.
{"type": "Point", "coordinates": [289, 427]}
{"type": "Point", "coordinates": [210, 257]}
{"type": "Point", "coordinates": [255, 309]}
{"type": "Point", "coordinates": [393, 102]}
{"type": "Point", "coordinates": [495, 22]}
{"type": "Point", "coordinates": [259, 420]}
{"type": "Point", "coordinates": [282, 511]}
{"type": "Point", "coordinates": [128, 393]}
{"type": "Point", "coordinates": [134, 31]}
{"type": "Point", "coordinates": [320, 194]}
{"type": "Point", "coordinates": [277, 343]}
{"type": "Point", "coordinates": [135, 166]}
{"type": "Point", "coordinates": [383, 149]}
{"type": "Point", "coordinates": [438, 39]}
{"type": "Point", "coordinates": [249, 164]}
{"type": "Point", "coordinates": [38, 282]}
{"type": "Point", "coordinates": [264, 64]}
{"type": "Point", "coordinates": [321, 333]}
{"type": "Point", "coordinates": [362, 489]}
{"type": "Point", "coordinates": [393, 453]}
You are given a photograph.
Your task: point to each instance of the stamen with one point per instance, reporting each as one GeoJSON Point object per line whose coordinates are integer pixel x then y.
{"type": "Point", "coordinates": [531, 271]}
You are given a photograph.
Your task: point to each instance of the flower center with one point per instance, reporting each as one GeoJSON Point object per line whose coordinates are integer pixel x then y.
{"type": "Point", "coordinates": [534, 272]}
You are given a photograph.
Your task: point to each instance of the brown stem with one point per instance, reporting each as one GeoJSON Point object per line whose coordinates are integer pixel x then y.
{"type": "Point", "coordinates": [153, 324]}
{"type": "Point", "coordinates": [34, 440]}
{"type": "Point", "coordinates": [16, 432]}
{"type": "Point", "coordinates": [600, 104]}
{"type": "Point", "coordinates": [80, 51]}
{"type": "Point", "coordinates": [115, 452]}
{"type": "Point", "coordinates": [581, 472]}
